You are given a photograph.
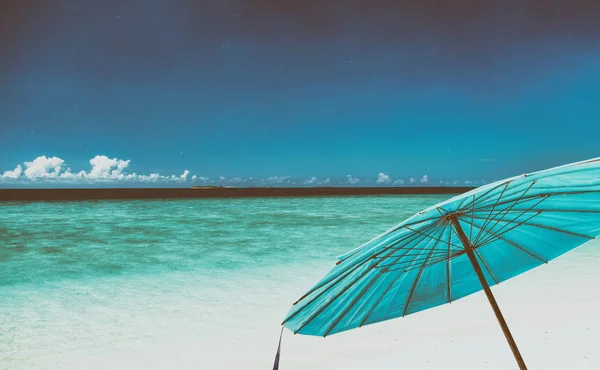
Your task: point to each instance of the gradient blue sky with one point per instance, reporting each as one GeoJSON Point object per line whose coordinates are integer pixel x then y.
{"type": "Point", "coordinates": [457, 91]}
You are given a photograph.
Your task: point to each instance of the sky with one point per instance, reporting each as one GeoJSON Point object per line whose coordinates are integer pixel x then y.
{"type": "Point", "coordinates": [295, 93]}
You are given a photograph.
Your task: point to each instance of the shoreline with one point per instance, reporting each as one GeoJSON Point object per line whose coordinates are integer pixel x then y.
{"type": "Point", "coordinates": [64, 194]}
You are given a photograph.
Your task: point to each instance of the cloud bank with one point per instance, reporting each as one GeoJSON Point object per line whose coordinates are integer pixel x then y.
{"type": "Point", "coordinates": [103, 169]}
{"type": "Point", "coordinates": [106, 171]}
{"type": "Point", "coordinates": [382, 178]}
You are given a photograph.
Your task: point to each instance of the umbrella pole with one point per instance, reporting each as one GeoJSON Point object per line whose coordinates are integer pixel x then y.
{"type": "Point", "coordinates": [488, 292]}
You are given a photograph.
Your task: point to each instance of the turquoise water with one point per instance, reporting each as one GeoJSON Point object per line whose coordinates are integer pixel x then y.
{"type": "Point", "coordinates": [46, 242]}
{"type": "Point", "coordinates": [198, 284]}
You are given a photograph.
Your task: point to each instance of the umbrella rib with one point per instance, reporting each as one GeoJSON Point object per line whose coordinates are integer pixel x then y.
{"type": "Point", "coordinates": [490, 238]}
{"type": "Point", "coordinates": [512, 193]}
{"type": "Point", "coordinates": [400, 248]}
{"type": "Point", "coordinates": [347, 272]}
{"type": "Point", "coordinates": [448, 265]}
{"type": "Point", "coordinates": [510, 242]}
{"type": "Point", "coordinates": [411, 266]}
{"type": "Point", "coordinates": [388, 232]}
{"type": "Point", "coordinates": [383, 295]}
{"type": "Point", "coordinates": [463, 202]}
{"type": "Point", "coordinates": [552, 229]}
{"type": "Point", "coordinates": [491, 211]}
{"type": "Point", "coordinates": [540, 172]}
{"type": "Point", "coordinates": [335, 281]}
{"type": "Point", "coordinates": [411, 223]}
{"type": "Point", "coordinates": [358, 297]}
{"type": "Point", "coordinates": [358, 264]}
{"type": "Point", "coordinates": [472, 215]}
{"type": "Point", "coordinates": [428, 235]}
{"type": "Point", "coordinates": [514, 220]}
{"type": "Point", "coordinates": [410, 263]}
{"type": "Point", "coordinates": [419, 253]}
{"type": "Point", "coordinates": [486, 267]}
{"type": "Point", "coordinates": [555, 210]}
{"type": "Point", "coordinates": [524, 199]}
{"type": "Point", "coordinates": [511, 206]}
{"type": "Point", "coordinates": [416, 282]}
{"type": "Point", "coordinates": [312, 317]}
{"type": "Point", "coordinates": [483, 198]}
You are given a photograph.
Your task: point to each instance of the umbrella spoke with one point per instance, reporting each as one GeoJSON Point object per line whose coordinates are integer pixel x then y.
{"type": "Point", "coordinates": [403, 225]}
{"type": "Point", "coordinates": [312, 317]}
{"type": "Point", "coordinates": [391, 231]}
{"type": "Point", "coordinates": [501, 232]}
{"type": "Point", "coordinates": [363, 291]}
{"type": "Point", "coordinates": [358, 264]}
{"type": "Point", "coordinates": [431, 250]}
{"type": "Point", "coordinates": [484, 197]}
{"type": "Point", "coordinates": [407, 263]}
{"type": "Point", "coordinates": [510, 242]}
{"type": "Point", "coordinates": [552, 229]}
{"type": "Point", "coordinates": [510, 207]}
{"type": "Point", "coordinates": [541, 195]}
{"type": "Point", "coordinates": [511, 194]}
{"type": "Point", "coordinates": [448, 264]}
{"type": "Point", "coordinates": [514, 220]}
{"type": "Point", "coordinates": [486, 266]}
{"type": "Point", "coordinates": [416, 282]}
{"type": "Point", "coordinates": [428, 235]}
{"type": "Point", "coordinates": [378, 301]}
{"type": "Point", "coordinates": [556, 210]}
{"type": "Point", "coordinates": [463, 202]}
{"type": "Point", "coordinates": [525, 202]}
{"type": "Point", "coordinates": [491, 211]}
{"type": "Point", "coordinates": [430, 263]}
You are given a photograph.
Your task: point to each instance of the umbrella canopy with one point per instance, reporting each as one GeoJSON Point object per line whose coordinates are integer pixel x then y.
{"type": "Point", "coordinates": [456, 248]}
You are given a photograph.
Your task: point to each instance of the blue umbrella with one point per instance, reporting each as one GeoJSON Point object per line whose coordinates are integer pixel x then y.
{"type": "Point", "coordinates": [456, 248]}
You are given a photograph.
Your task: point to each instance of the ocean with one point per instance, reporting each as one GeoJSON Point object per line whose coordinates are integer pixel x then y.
{"type": "Point", "coordinates": [205, 284]}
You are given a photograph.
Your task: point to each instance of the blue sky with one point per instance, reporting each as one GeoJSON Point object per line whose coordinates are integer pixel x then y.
{"type": "Point", "coordinates": [288, 91]}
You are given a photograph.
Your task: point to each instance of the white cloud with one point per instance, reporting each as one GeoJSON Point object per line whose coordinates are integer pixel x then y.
{"type": "Point", "coordinates": [103, 169]}
{"type": "Point", "coordinates": [382, 178]}
{"type": "Point", "coordinates": [311, 181]}
{"type": "Point", "coordinates": [399, 182]}
{"type": "Point", "coordinates": [43, 167]}
{"type": "Point", "coordinates": [424, 179]}
{"type": "Point", "coordinates": [326, 181]}
{"type": "Point", "coordinates": [14, 174]}
{"type": "Point", "coordinates": [278, 179]}
{"type": "Point", "coordinates": [412, 180]}
{"type": "Point", "coordinates": [194, 177]}
{"type": "Point", "coordinates": [238, 180]}
{"type": "Point", "coordinates": [352, 180]}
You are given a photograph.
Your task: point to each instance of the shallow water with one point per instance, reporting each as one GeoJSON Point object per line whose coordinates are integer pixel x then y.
{"type": "Point", "coordinates": [204, 284]}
